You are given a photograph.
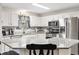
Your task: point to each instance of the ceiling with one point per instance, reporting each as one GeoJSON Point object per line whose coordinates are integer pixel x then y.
{"type": "Point", "coordinates": [30, 7]}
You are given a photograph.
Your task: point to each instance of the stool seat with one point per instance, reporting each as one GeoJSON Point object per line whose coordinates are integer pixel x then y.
{"type": "Point", "coordinates": [41, 47]}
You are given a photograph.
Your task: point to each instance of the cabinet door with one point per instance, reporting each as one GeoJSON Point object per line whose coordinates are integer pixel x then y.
{"type": "Point", "coordinates": [0, 17]}
{"type": "Point", "coordinates": [6, 18]}
{"type": "Point", "coordinates": [35, 21]}
{"type": "Point", "coordinates": [4, 48]}
{"type": "Point", "coordinates": [9, 18]}
{"type": "Point", "coordinates": [44, 21]}
{"type": "Point", "coordinates": [14, 18]}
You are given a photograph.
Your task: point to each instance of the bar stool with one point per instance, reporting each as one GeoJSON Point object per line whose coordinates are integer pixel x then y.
{"type": "Point", "coordinates": [41, 47]}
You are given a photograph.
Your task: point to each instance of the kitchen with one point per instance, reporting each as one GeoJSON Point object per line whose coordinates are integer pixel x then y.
{"type": "Point", "coordinates": [36, 30]}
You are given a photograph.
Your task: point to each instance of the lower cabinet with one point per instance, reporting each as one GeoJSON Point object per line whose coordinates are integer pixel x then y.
{"type": "Point", "coordinates": [4, 48]}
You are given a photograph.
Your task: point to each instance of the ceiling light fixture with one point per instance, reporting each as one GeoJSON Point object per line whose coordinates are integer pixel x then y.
{"type": "Point", "coordinates": [21, 12]}
{"type": "Point", "coordinates": [39, 5]}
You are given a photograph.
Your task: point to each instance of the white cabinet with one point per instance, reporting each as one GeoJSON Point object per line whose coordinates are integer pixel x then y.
{"type": "Point", "coordinates": [39, 21]}
{"type": "Point", "coordinates": [9, 17]}
{"type": "Point", "coordinates": [4, 48]}
{"type": "Point", "coordinates": [5, 18]}
{"type": "Point", "coordinates": [35, 21]}
{"type": "Point", "coordinates": [44, 21]}
{"type": "Point", "coordinates": [14, 19]}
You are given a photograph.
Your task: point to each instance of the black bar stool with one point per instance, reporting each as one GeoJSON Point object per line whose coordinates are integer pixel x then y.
{"type": "Point", "coordinates": [41, 47]}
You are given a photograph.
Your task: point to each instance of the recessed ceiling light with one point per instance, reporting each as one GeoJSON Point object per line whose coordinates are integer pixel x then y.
{"type": "Point", "coordinates": [39, 5]}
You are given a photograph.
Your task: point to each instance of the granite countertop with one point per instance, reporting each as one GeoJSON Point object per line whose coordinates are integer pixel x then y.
{"type": "Point", "coordinates": [40, 39]}
{"type": "Point", "coordinates": [63, 42]}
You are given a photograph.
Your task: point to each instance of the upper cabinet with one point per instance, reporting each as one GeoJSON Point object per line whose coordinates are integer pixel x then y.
{"type": "Point", "coordinates": [5, 19]}
{"type": "Point", "coordinates": [9, 17]}
{"type": "Point", "coordinates": [44, 21]}
{"type": "Point", "coordinates": [39, 21]}
{"type": "Point", "coordinates": [35, 21]}
{"type": "Point", "coordinates": [14, 19]}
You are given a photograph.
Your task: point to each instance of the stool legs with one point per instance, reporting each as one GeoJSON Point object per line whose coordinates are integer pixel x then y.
{"type": "Point", "coordinates": [41, 52]}
{"type": "Point", "coordinates": [48, 51]}
{"type": "Point", "coordinates": [34, 52]}
{"type": "Point", "coordinates": [29, 52]}
{"type": "Point", "coordinates": [52, 52]}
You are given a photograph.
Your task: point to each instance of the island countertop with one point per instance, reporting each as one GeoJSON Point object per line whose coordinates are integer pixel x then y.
{"type": "Point", "coordinates": [33, 39]}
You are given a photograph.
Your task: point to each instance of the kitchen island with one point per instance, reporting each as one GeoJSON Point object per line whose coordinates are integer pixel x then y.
{"type": "Point", "coordinates": [63, 45]}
